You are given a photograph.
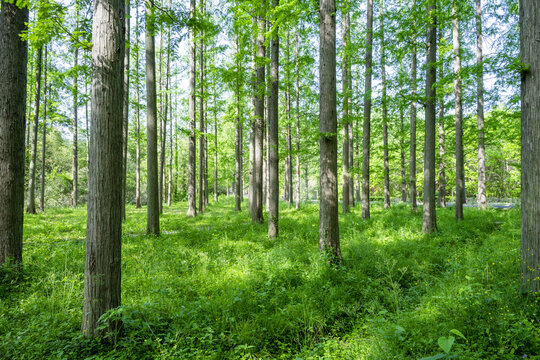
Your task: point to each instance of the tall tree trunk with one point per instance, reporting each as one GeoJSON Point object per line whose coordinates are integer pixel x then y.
{"type": "Point", "coordinates": [202, 136]}
{"type": "Point", "coordinates": [44, 135]}
{"type": "Point", "coordinates": [216, 190]}
{"type": "Point", "coordinates": [13, 66]}
{"type": "Point", "coordinates": [346, 120]}
{"type": "Point", "coordinates": [125, 133]}
{"type": "Point", "coordinates": [273, 140]}
{"type": "Point", "coordinates": [328, 215]}
{"type": "Point", "coordinates": [429, 220]}
{"type": "Point", "coordinates": [351, 138]}
{"type": "Point", "coordinates": [442, 164]}
{"type": "Point", "coordinates": [367, 112]}
{"type": "Point", "coordinates": [482, 200]}
{"type": "Point", "coordinates": [459, 114]}
{"type": "Point", "coordinates": [28, 105]}
{"type": "Point", "coordinates": [102, 271]}
{"type": "Point", "coordinates": [297, 121]}
{"type": "Point", "coordinates": [412, 160]}
{"type": "Point", "coordinates": [402, 155]}
{"type": "Point", "coordinates": [192, 208]}
{"type": "Point", "coordinates": [31, 205]}
{"type": "Point", "coordinates": [163, 128]}
{"type": "Point", "coordinates": [257, 208]}
{"type": "Point", "coordinates": [357, 156]}
{"type": "Point", "coordinates": [152, 187]}
{"type": "Point", "coordinates": [86, 118]}
{"type": "Point", "coordinates": [75, 162]}
{"type": "Point", "coordinates": [238, 134]}
{"type": "Point", "coordinates": [384, 112]}
{"type": "Point", "coordinates": [306, 179]}
{"type": "Point", "coordinates": [530, 146]}
{"type": "Point", "coordinates": [137, 115]}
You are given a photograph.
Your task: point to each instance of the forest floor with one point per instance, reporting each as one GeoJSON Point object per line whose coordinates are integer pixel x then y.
{"type": "Point", "coordinates": [214, 287]}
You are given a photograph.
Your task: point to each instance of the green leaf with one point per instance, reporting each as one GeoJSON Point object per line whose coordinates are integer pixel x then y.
{"type": "Point", "coordinates": [446, 343]}
{"type": "Point", "coordinates": [434, 357]}
{"type": "Point", "coordinates": [458, 333]}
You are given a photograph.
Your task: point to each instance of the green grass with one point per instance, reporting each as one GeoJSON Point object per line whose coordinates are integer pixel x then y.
{"type": "Point", "coordinates": [214, 287]}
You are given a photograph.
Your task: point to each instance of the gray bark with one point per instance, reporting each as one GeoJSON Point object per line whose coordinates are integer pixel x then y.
{"type": "Point", "coordinates": [192, 208]}
{"type": "Point", "coordinates": [125, 134]}
{"type": "Point", "coordinates": [384, 113]}
{"type": "Point", "coordinates": [273, 140]}
{"type": "Point", "coordinates": [482, 200]}
{"type": "Point", "coordinates": [152, 187]}
{"type": "Point", "coordinates": [138, 119]}
{"type": "Point", "coordinates": [429, 220]}
{"type": "Point", "coordinates": [297, 122]}
{"type": "Point", "coordinates": [43, 134]}
{"type": "Point", "coordinates": [202, 125]}
{"type": "Point", "coordinates": [460, 186]}
{"type": "Point", "coordinates": [75, 160]}
{"type": "Point", "coordinates": [402, 156]}
{"type": "Point", "coordinates": [13, 66]}
{"type": "Point", "coordinates": [530, 146]}
{"type": "Point", "coordinates": [328, 215]}
{"type": "Point", "coordinates": [412, 160]}
{"type": "Point", "coordinates": [237, 135]}
{"type": "Point", "coordinates": [442, 165]}
{"type": "Point", "coordinates": [102, 271]}
{"type": "Point", "coordinates": [367, 113]}
{"type": "Point", "coordinates": [346, 121]}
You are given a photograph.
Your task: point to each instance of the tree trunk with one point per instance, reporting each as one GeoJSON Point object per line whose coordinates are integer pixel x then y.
{"type": "Point", "coordinates": [429, 221]}
{"type": "Point", "coordinates": [44, 135]}
{"type": "Point", "coordinates": [442, 164]}
{"type": "Point", "coordinates": [367, 113]}
{"type": "Point", "coordinates": [125, 134]}
{"type": "Point", "coordinates": [152, 187]}
{"type": "Point", "coordinates": [351, 137]}
{"type": "Point", "coordinates": [192, 208]}
{"type": "Point", "coordinates": [273, 140]}
{"type": "Point", "coordinates": [216, 190]}
{"type": "Point", "coordinates": [530, 146]}
{"type": "Point", "coordinates": [238, 134]}
{"type": "Point", "coordinates": [102, 271]}
{"type": "Point", "coordinates": [346, 120]}
{"type": "Point", "coordinates": [482, 200]}
{"type": "Point", "coordinates": [75, 162]}
{"type": "Point", "coordinates": [412, 160]}
{"type": "Point", "coordinates": [402, 155]}
{"type": "Point", "coordinates": [459, 114]}
{"type": "Point", "coordinates": [137, 115]}
{"type": "Point", "coordinates": [202, 136]}
{"type": "Point", "coordinates": [31, 205]}
{"type": "Point", "coordinates": [384, 113]}
{"type": "Point", "coordinates": [328, 215]}
{"type": "Point", "coordinates": [13, 66]}
{"type": "Point", "coordinates": [297, 122]}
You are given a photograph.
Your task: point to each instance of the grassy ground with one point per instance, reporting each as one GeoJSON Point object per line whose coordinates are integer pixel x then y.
{"type": "Point", "coordinates": [214, 287]}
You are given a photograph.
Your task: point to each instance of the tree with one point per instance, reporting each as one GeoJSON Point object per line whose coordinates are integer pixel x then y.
{"type": "Point", "coordinates": [273, 139]}
{"type": "Point", "coordinates": [238, 125]}
{"type": "Point", "coordinates": [192, 208]}
{"type": "Point", "coordinates": [460, 186]}
{"type": "Point", "coordinates": [429, 220]}
{"type": "Point", "coordinates": [482, 200]}
{"type": "Point", "coordinates": [530, 146]}
{"type": "Point", "coordinates": [367, 112]}
{"type": "Point", "coordinates": [75, 159]}
{"type": "Point", "coordinates": [102, 270]}
{"type": "Point", "coordinates": [125, 134]}
{"type": "Point", "coordinates": [345, 21]}
{"type": "Point", "coordinates": [384, 112]}
{"type": "Point", "coordinates": [137, 114]}
{"type": "Point", "coordinates": [412, 160]}
{"type": "Point", "coordinates": [13, 64]}
{"type": "Point", "coordinates": [44, 134]}
{"type": "Point", "coordinates": [328, 215]}
{"type": "Point", "coordinates": [152, 211]}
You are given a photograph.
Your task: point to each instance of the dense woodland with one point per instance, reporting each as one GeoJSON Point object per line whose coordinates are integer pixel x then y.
{"type": "Point", "coordinates": [269, 179]}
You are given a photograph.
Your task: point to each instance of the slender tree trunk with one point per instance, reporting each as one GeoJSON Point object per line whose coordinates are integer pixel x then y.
{"type": "Point", "coordinates": [192, 208]}
{"type": "Point", "coordinates": [367, 112]}
{"type": "Point", "coordinates": [402, 155]}
{"type": "Point", "coordinates": [357, 157]}
{"type": "Point", "coordinates": [170, 183]}
{"type": "Point", "coordinates": [125, 133]}
{"type": "Point", "coordinates": [102, 272]}
{"type": "Point", "coordinates": [346, 120]}
{"type": "Point", "coordinates": [13, 66]}
{"type": "Point", "coordinates": [31, 205]}
{"type": "Point", "coordinates": [152, 187]}
{"type": "Point", "coordinates": [238, 134]}
{"type": "Point", "coordinates": [442, 164]}
{"type": "Point", "coordinates": [306, 179]}
{"type": "Point", "coordinates": [75, 163]}
{"type": "Point", "coordinates": [273, 140]}
{"type": "Point", "coordinates": [86, 119]}
{"type": "Point", "coordinates": [44, 134]}
{"type": "Point", "coordinates": [163, 128]}
{"type": "Point", "coordinates": [328, 215]}
{"type": "Point", "coordinates": [458, 114]}
{"type": "Point", "coordinates": [482, 200]}
{"type": "Point", "coordinates": [216, 190]}
{"type": "Point", "coordinates": [412, 160]}
{"type": "Point", "coordinates": [384, 112]}
{"type": "Point", "coordinates": [29, 99]}
{"type": "Point", "coordinates": [351, 137]}
{"type": "Point", "coordinates": [137, 114]}
{"type": "Point", "coordinates": [429, 221]}
{"type": "Point", "coordinates": [297, 121]}
{"type": "Point", "coordinates": [202, 136]}
{"type": "Point", "coordinates": [530, 144]}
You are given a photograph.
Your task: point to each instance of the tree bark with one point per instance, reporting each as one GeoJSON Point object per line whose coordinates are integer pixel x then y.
{"type": "Point", "coordinates": [31, 204]}
{"type": "Point", "coordinates": [328, 215]}
{"type": "Point", "coordinates": [13, 66]}
{"type": "Point", "coordinates": [152, 187]}
{"type": "Point", "coordinates": [429, 220]}
{"type": "Point", "coordinates": [346, 120]}
{"type": "Point", "coordinates": [138, 119]}
{"type": "Point", "coordinates": [367, 113]}
{"type": "Point", "coordinates": [192, 208]}
{"type": "Point", "coordinates": [482, 200]}
{"type": "Point", "coordinates": [102, 272]}
{"type": "Point", "coordinates": [125, 133]}
{"type": "Point", "coordinates": [402, 155]}
{"type": "Point", "coordinates": [297, 121]}
{"type": "Point", "coordinates": [238, 133]}
{"type": "Point", "coordinates": [458, 114]}
{"type": "Point", "coordinates": [273, 140]}
{"type": "Point", "coordinates": [44, 135]}
{"type": "Point", "coordinates": [442, 164]}
{"type": "Point", "coordinates": [530, 146]}
{"type": "Point", "coordinates": [412, 160]}
{"type": "Point", "coordinates": [75, 162]}
{"type": "Point", "coordinates": [202, 136]}
{"type": "Point", "coordinates": [384, 113]}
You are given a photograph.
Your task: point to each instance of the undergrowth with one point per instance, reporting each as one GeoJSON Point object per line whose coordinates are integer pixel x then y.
{"type": "Point", "coordinates": [215, 287]}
